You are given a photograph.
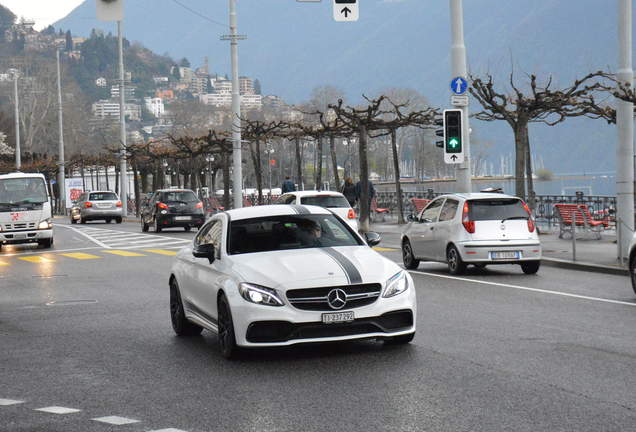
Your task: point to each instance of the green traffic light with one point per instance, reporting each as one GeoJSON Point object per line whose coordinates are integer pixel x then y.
{"type": "Point", "coordinates": [453, 143]}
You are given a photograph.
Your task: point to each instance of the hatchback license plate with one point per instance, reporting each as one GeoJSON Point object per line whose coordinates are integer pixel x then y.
{"type": "Point", "coordinates": [504, 255]}
{"type": "Point", "coordinates": [337, 317]}
{"type": "Point", "coordinates": [182, 218]}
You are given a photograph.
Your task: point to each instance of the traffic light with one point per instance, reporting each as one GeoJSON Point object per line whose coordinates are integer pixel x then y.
{"type": "Point", "coordinates": [453, 137]}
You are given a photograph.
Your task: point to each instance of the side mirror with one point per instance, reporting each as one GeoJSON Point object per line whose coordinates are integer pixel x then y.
{"type": "Point", "coordinates": [205, 251]}
{"type": "Point", "coordinates": [372, 238]}
{"type": "Point", "coordinates": [411, 218]}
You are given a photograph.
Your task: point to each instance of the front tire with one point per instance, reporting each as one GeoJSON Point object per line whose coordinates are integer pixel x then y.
{"type": "Point", "coordinates": [180, 324]}
{"type": "Point", "coordinates": [400, 340]}
{"type": "Point", "coordinates": [456, 265]}
{"type": "Point", "coordinates": [45, 243]}
{"type": "Point", "coordinates": [530, 267]}
{"type": "Point", "coordinates": [632, 271]}
{"type": "Point", "coordinates": [227, 340]}
{"type": "Point", "coordinates": [408, 257]}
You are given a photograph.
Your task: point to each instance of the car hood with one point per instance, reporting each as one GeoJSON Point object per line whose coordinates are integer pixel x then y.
{"type": "Point", "coordinates": [315, 267]}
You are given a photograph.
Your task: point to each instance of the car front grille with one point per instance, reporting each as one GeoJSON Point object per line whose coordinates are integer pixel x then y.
{"type": "Point", "coordinates": [316, 299]}
{"type": "Point", "coordinates": [18, 226]}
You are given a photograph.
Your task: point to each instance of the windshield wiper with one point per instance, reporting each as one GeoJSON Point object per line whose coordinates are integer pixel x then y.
{"type": "Point", "coordinates": [514, 217]}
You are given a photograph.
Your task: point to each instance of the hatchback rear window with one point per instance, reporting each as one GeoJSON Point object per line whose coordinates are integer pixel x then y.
{"type": "Point", "coordinates": [496, 209]}
{"type": "Point", "coordinates": [102, 196]}
{"type": "Point", "coordinates": [179, 196]}
{"type": "Point", "coordinates": [327, 201]}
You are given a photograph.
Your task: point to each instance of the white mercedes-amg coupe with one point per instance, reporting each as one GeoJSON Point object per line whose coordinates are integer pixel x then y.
{"type": "Point", "coordinates": [288, 274]}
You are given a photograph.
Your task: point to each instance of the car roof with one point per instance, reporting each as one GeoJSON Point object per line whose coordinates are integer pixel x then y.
{"type": "Point", "coordinates": [21, 175]}
{"type": "Point", "coordinates": [174, 190]}
{"type": "Point", "coordinates": [274, 210]}
{"type": "Point", "coordinates": [314, 193]}
{"type": "Point", "coordinates": [479, 195]}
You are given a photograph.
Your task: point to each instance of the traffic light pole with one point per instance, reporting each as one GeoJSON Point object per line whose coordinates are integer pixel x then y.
{"type": "Point", "coordinates": [458, 69]}
{"type": "Point", "coordinates": [123, 183]}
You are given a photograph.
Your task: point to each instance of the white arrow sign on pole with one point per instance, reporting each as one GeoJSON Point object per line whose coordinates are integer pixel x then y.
{"type": "Point", "coordinates": [345, 10]}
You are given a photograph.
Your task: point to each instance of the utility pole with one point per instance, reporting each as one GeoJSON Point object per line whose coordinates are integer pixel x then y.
{"type": "Point", "coordinates": [18, 157]}
{"type": "Point", "coordinates": [233, 37]}
{"type": "Point", "coordinates": [458, 69]}
{"type": "Point", "coordinates": [61, 181]}
{"type": "Point", "coordinates": [625, 125]}
{"type": "Point", "coordinates": [123, 184]}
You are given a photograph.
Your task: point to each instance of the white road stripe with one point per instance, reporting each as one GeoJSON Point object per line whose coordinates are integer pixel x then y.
{"type": "Point", "coordinates": [97, 242]}
{"type": "Point", "coordinates": [57, 410]}
{"type": "Point", "coordinates": [7, 402]}
{"type": "Point", "coordinates": [115, 420]}
{"type": "Point", "coordinates": [538, 290]}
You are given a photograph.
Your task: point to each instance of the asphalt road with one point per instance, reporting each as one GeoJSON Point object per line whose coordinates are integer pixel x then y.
{"type": "Point", "coordinates": [86, 327]}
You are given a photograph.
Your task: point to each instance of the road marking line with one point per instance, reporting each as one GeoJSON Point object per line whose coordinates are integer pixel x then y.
{"type": "Point", "coordinates": [383, 249]}
{"type": "Point", "coordinates": [115, 420]}
{"type": "Point", "coordinates": [168, 430]}
{"type": "Point", "coordinates": [124, 253]}
{"type": "Point", "coordinates": [57, 410]}
{"type": "Point", "coordinates": [134, 242]}
{"type": "Point", "coordinates": [160, 245]}
{"type": "Point", "coordinates": [2, 263]}
{"type": "Point", "coordinates": [52, 251]}
{"type": "Point", "coordinates": [37, 259]}
{"type": "Point", "coordinates": [538, 290]}
{"type": "Point", "coordinates": [161, 252]}
{"type": "Point", "coordinates": [7, 402]}
{"type": "Point", "coordinates": [81, 256]}
{"type": "Point", "coordinates": [97, 242]}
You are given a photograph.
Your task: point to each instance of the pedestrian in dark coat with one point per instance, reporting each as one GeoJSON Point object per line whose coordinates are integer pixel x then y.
{"type": "Point", "coordinates": [349, 191]}
{"type": "Point", "coordinates": [288, 185]}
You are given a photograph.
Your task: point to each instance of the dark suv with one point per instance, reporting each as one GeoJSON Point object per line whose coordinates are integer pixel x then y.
{"type": "Point", "coordinates": [168, 208]}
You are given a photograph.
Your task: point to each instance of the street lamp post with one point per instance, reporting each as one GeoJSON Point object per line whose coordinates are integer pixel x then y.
{"type": "Point", "coordinates": [122, 118]}
{"type": "Point", "coordinates": [61, 181]}
{"type": "Point", "coordinates": [18, 157]}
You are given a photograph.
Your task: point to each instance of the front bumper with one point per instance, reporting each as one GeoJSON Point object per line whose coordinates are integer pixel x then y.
{"type": "Point", "coordinates": [261, 326]}
{"type": "Point", "coordinates": [17, 237]}
{"type": "Point", "coordinates": [482, 252]}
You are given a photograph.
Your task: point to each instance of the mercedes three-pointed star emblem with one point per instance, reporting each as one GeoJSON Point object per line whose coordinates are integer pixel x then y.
{"type": "Point", "coordinates": [337, 298]}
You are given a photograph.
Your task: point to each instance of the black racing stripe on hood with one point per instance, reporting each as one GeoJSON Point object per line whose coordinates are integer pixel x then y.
{"type": "Point", "coordinates": [350, 269]}
{"type": "Point", "coordinates": [300, 209]}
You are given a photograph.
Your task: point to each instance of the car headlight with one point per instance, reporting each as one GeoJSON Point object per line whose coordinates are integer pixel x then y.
{"type": "Point", "coordinates": [45, 224]}
{"type": "Point", "coordinates": [397, 284]}
{"type": "Point", "coordinates": [259, 295]}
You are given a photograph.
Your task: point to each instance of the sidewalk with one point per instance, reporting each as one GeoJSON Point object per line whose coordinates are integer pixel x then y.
{"type": "Point", "coordinates": [591, 255]}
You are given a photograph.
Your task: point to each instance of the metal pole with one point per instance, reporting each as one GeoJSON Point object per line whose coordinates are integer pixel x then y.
{"type": "Point", "coordinates": [18, 156]}
{"type": "Point", "coordinates": [625, 124]}
{"type": "Point", "coordinates": [123, 183]}
{"type": "Point", "coordinates": [237, 189]}
{"type": "Point", "coordinates": [61, 181]}
{"type": "Point", "coordinates": [458, 69]}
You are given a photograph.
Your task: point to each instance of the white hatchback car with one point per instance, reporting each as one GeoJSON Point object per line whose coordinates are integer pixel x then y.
{"type": "Point", "coordinates": [282, 275]}
{"type": "Point", "coordinates": [476, 228]}
{"type": "Point", "coordinates": [334, 201]}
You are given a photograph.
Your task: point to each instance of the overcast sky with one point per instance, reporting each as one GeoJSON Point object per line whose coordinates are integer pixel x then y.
{"type": "Point", "coordinates": [43, 12]}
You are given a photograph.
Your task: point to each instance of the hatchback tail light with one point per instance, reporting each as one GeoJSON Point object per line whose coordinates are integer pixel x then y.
{"type": "Point", "coordinates": [351, 214]}
{"type": "Point", "coordinates": [531, 226]}
{"type": "Point", "coordinates": [118, 204]}
{"type": "Point", "coordinates": [199, 205]}
{"type": "Point", "coordinates": [88, 204]}
{"type": "Point", "coordinates": [162, 205]}
{"type": "Point", "coordinates": [468, 224]}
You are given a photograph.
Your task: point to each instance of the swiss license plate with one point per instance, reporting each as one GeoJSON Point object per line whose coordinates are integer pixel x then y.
{"type": "Point", "coordinates": [182, 218]}
{"type": "Point", "coordinates": [504, 255]}
{"type": "Point", "coordinates": [337, 317]}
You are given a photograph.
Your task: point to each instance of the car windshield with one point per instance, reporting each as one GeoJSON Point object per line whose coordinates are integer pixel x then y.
{"type": "Point", "coordinates": [28, 190]}
{"type": "Point", "coordinates": [496, 209]}
{"type": "Point", "coordinates": [274, 233]}
{"type": "Point", "coordinates": [102, 196]}
{"type": "Point", "coordinates": [328, 201]}
{"type": "Point", "coordinates": [179, 196]}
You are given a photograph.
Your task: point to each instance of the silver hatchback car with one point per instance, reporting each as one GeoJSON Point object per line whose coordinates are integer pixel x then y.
{"type": "Point", "coordinates": [477, 228]}
{"type": "Point", "coordinates": [97, 205]}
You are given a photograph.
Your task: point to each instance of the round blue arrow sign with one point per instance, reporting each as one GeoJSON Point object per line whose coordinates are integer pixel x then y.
{"type": "Point", "coordinates": [459, 85]}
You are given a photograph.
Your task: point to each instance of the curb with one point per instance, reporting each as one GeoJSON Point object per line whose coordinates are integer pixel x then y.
{"type": "Point", "coordinates": [584, 266]}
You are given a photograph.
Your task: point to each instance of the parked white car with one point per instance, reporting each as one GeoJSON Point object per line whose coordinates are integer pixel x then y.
{"type": "Point", "coordinates": [477, 228]}
{"type": "Point", "coordinates": [282, 275]}
{"type": "Point", "coordinates": [334, 201]}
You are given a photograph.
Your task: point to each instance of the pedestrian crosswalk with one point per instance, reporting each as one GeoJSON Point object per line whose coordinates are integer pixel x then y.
{"type": "Point", "coordinates": [109, 238]}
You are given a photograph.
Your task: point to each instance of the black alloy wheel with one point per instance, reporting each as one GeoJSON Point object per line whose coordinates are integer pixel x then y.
{"type": "Point", "coordinates": [227, 340]}
{"type": "Point", "coordinates": [530, 267]}
{"type": "Point", "coordinates": [408, 257]}
{"type": "Point", "coordinates": [180, 324]}
{"type": "Point", "coordinates": [456, 265]}
{"type": "Point", "coordinates": [632, 271]}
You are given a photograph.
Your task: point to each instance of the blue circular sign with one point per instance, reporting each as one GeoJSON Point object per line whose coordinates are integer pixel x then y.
{"type": "Point", "coordinates": [459, 85]}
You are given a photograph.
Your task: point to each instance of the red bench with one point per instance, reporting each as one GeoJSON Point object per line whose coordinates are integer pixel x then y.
{"type": "Point", "coordinates": [379, 211]}
{"type": "Point", "coordinates": [419, 204]}
{"type": "Point", "coordinates": [578, 215]}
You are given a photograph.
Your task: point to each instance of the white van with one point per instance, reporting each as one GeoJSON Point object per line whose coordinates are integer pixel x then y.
{"type": "Point", "coordinates": [25, 210]}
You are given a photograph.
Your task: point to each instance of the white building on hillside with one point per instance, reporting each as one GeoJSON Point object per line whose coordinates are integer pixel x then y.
{"type": "Point", "coordinates": [155, 106]}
